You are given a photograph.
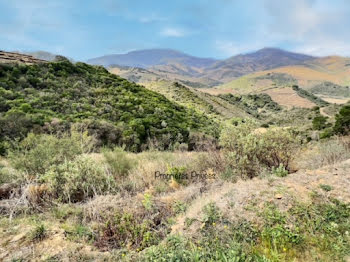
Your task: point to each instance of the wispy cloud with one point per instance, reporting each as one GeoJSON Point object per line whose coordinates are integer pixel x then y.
{"type": "Point", "coordinates": [174, 32]}
{"type": "Point", "coordinates": [230, 48]}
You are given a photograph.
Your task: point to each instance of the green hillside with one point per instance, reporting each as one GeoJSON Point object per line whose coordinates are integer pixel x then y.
{"type": "Point", "coordinates": [51, 96]}
{"type": "Point", "coordinates": [197, 100]}
{"type": "Point", "coordinates": [257, 105]}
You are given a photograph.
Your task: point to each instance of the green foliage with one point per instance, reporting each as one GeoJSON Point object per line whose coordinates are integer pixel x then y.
{"type": "Point", "coordinates": [127, 230]}
{"type": "Point", "coordinates": [147, 202]}
{"type": "Point", "coordinates": [303, 93]}
{"type": "Point", "coordinates": [342, 123]}
{"type": "Point", "coordinates": [319, 122]}
{"type": "Point", "coordinates": [78, 179]}
{"type": "Point", "coordinates": [277, 237]}
{"type": "Point", "coordinates": [77, 92]}
{"type": "Point", "coordinates": [217, 247]}
{"type": "Point", "coordinates": [326, 133]}
{"type": "Point", "coordinates": [119, 164]}
{"type": "Point", "coordinates": [325, 187]}
{"type": "Point", "coordinates": [279, 171]}
{"type": "Point", "coordinates": [79, 232]}
{"type": "Point", "coordinates": [212, 214]}
{"type": "Point", "coordinates": [36, 154]}
{"type": "Point", "coordinates": [176, 173]}
{"type": "Point", "coordinates": [249, 151]}
{"type": "Point", "coordinates": [326, 226]}
{"type": "Point", "coordinates": [179, 207]}
{"type": "Point", "coordinates": [257, 105]}
{"type": "Point", "coordinates": [38, 233]}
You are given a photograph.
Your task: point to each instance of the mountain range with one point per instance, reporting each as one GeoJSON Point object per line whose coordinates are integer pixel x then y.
{"type": "Point", "coordinates": [160, 61]}
{"type": "Point", "coordinates": [269, 70]}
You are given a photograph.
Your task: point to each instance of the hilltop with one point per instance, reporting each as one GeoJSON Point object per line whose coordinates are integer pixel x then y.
{"type": "Point", "coordinates": [151, 57]}
{"type": "Point", "coordinates": [266, 58]}
{"type": "Point", "coordinates": [11, 57]}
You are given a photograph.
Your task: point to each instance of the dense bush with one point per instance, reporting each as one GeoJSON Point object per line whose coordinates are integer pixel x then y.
{"type": "Point", "coordinates": [76, 92]}
{"type": "Point", "coordinates": [303, 93]}
{"type": "Point", "coordinates": [319, 122]}
{"type": "Point", "coordinates": [36, 154]}
{"type": "Point", "coordinates": [78, 179]}
{"type": "Point", "coordinates": [342, 124]}
{"type": "Point", "coordinates": [249, 150]}
{"type": "Point", "coordinates": [256, 105]}
{"type": "Point", "coordinates": [119, 164]}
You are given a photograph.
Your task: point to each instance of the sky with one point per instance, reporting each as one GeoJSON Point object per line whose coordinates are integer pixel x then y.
{"type": "Point", "coordinates": [83, 29]}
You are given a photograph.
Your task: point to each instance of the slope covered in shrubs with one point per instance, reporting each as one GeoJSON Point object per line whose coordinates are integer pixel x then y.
{"type": "Point", "coordinates": [49, 97]}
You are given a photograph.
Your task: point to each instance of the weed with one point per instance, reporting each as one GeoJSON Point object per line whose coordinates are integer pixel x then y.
{"type": "Point", "coordinates": [147, 201]}
{"type": "Point", "coordinates": [279, 171]}
{"type": "Point", "coordinates": [38, 233]}
{"type": "Point", "coordinates": [179, 207]}
{"type": "Point", "coordinates": [325, 187]}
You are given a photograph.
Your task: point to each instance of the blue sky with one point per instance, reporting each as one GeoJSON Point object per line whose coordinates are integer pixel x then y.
{"type": "Point", "coordinates": [83, 29]}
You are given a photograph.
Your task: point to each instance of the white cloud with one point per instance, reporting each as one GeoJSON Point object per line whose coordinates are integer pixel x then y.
{"type": "Point", "coordinates": [314, 27]}
{"type": "Point", "coordinates": [173, 32]}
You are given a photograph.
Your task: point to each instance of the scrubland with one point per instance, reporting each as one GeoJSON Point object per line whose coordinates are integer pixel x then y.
{"type": "Point", "coordinates": [268, 196]}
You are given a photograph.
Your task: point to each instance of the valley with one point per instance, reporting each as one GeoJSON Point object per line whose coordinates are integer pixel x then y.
{"type": "Point", "coordinates": [82, 146]}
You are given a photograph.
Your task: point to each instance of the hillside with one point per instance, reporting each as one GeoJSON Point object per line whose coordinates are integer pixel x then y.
{"type": "Point", "coordinates": [197, 100]}
{"type": "Point", "coordinates": [266, 58]}
{"type": "Point", "coordinates": [117, 111]}
{"type": "Point", "coordinates": [326, 77]}
{"type": "Point", "coordinates": [140, 75]}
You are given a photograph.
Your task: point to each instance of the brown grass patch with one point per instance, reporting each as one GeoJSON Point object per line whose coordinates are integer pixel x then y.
{"type": "Point", "coordinates": [289, 98]}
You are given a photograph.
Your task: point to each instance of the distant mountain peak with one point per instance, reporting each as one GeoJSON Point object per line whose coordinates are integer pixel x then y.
{"type": "Point", "coordinates": [151, 57]}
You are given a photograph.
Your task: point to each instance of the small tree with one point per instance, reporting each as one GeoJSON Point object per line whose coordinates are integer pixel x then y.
{"type": "Point", "coordinates": [342, 124]}
{"type": "Point", "coordinates": [249, 150]}
{"type": "Point", "coordinates": [319, 122]}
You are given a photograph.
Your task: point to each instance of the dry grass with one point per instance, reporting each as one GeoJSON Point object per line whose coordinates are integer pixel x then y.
{"type": "Point", "coordinates": [289, 98]}
{"type": "Point", "coordinates": [324, 153]}
{"type": "Point", "coordinates": [324, 163]}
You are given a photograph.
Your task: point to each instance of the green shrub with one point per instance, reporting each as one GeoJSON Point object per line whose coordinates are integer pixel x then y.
{"type": "Point", "coordinates": [249, 151]}
{"type": "Point", "coordinates": [126, 230]}
{"type": "Point", "coordinates": [326, 133]}
{"type": "Point", "coordinates": [78, 179]}
{"type": "Point", "coordinates": [33, 95]}
{"type": "Point", "coordinates": [118, 161]}
{"type": "Point", "coordinates": [36, 154]}
{"type": "Point", "coordinates": [38, 233]}
{"type": "Point", "coordinates": [279, 171]}
{"type": "Point", "coordinates": [276, 234]}
{"type": "Point", "coordinates": [342, 123]}
{"type": "Point", "coordinates": [147, 202]}
{"type": "Point", "coordinates": [325, 187]}
{"type": "Point", "coordinates": [319, 123]}
{"type": "Point", "coordinates": [212, 214]}
{"type": "Point", "coordinates": [306, 94]}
